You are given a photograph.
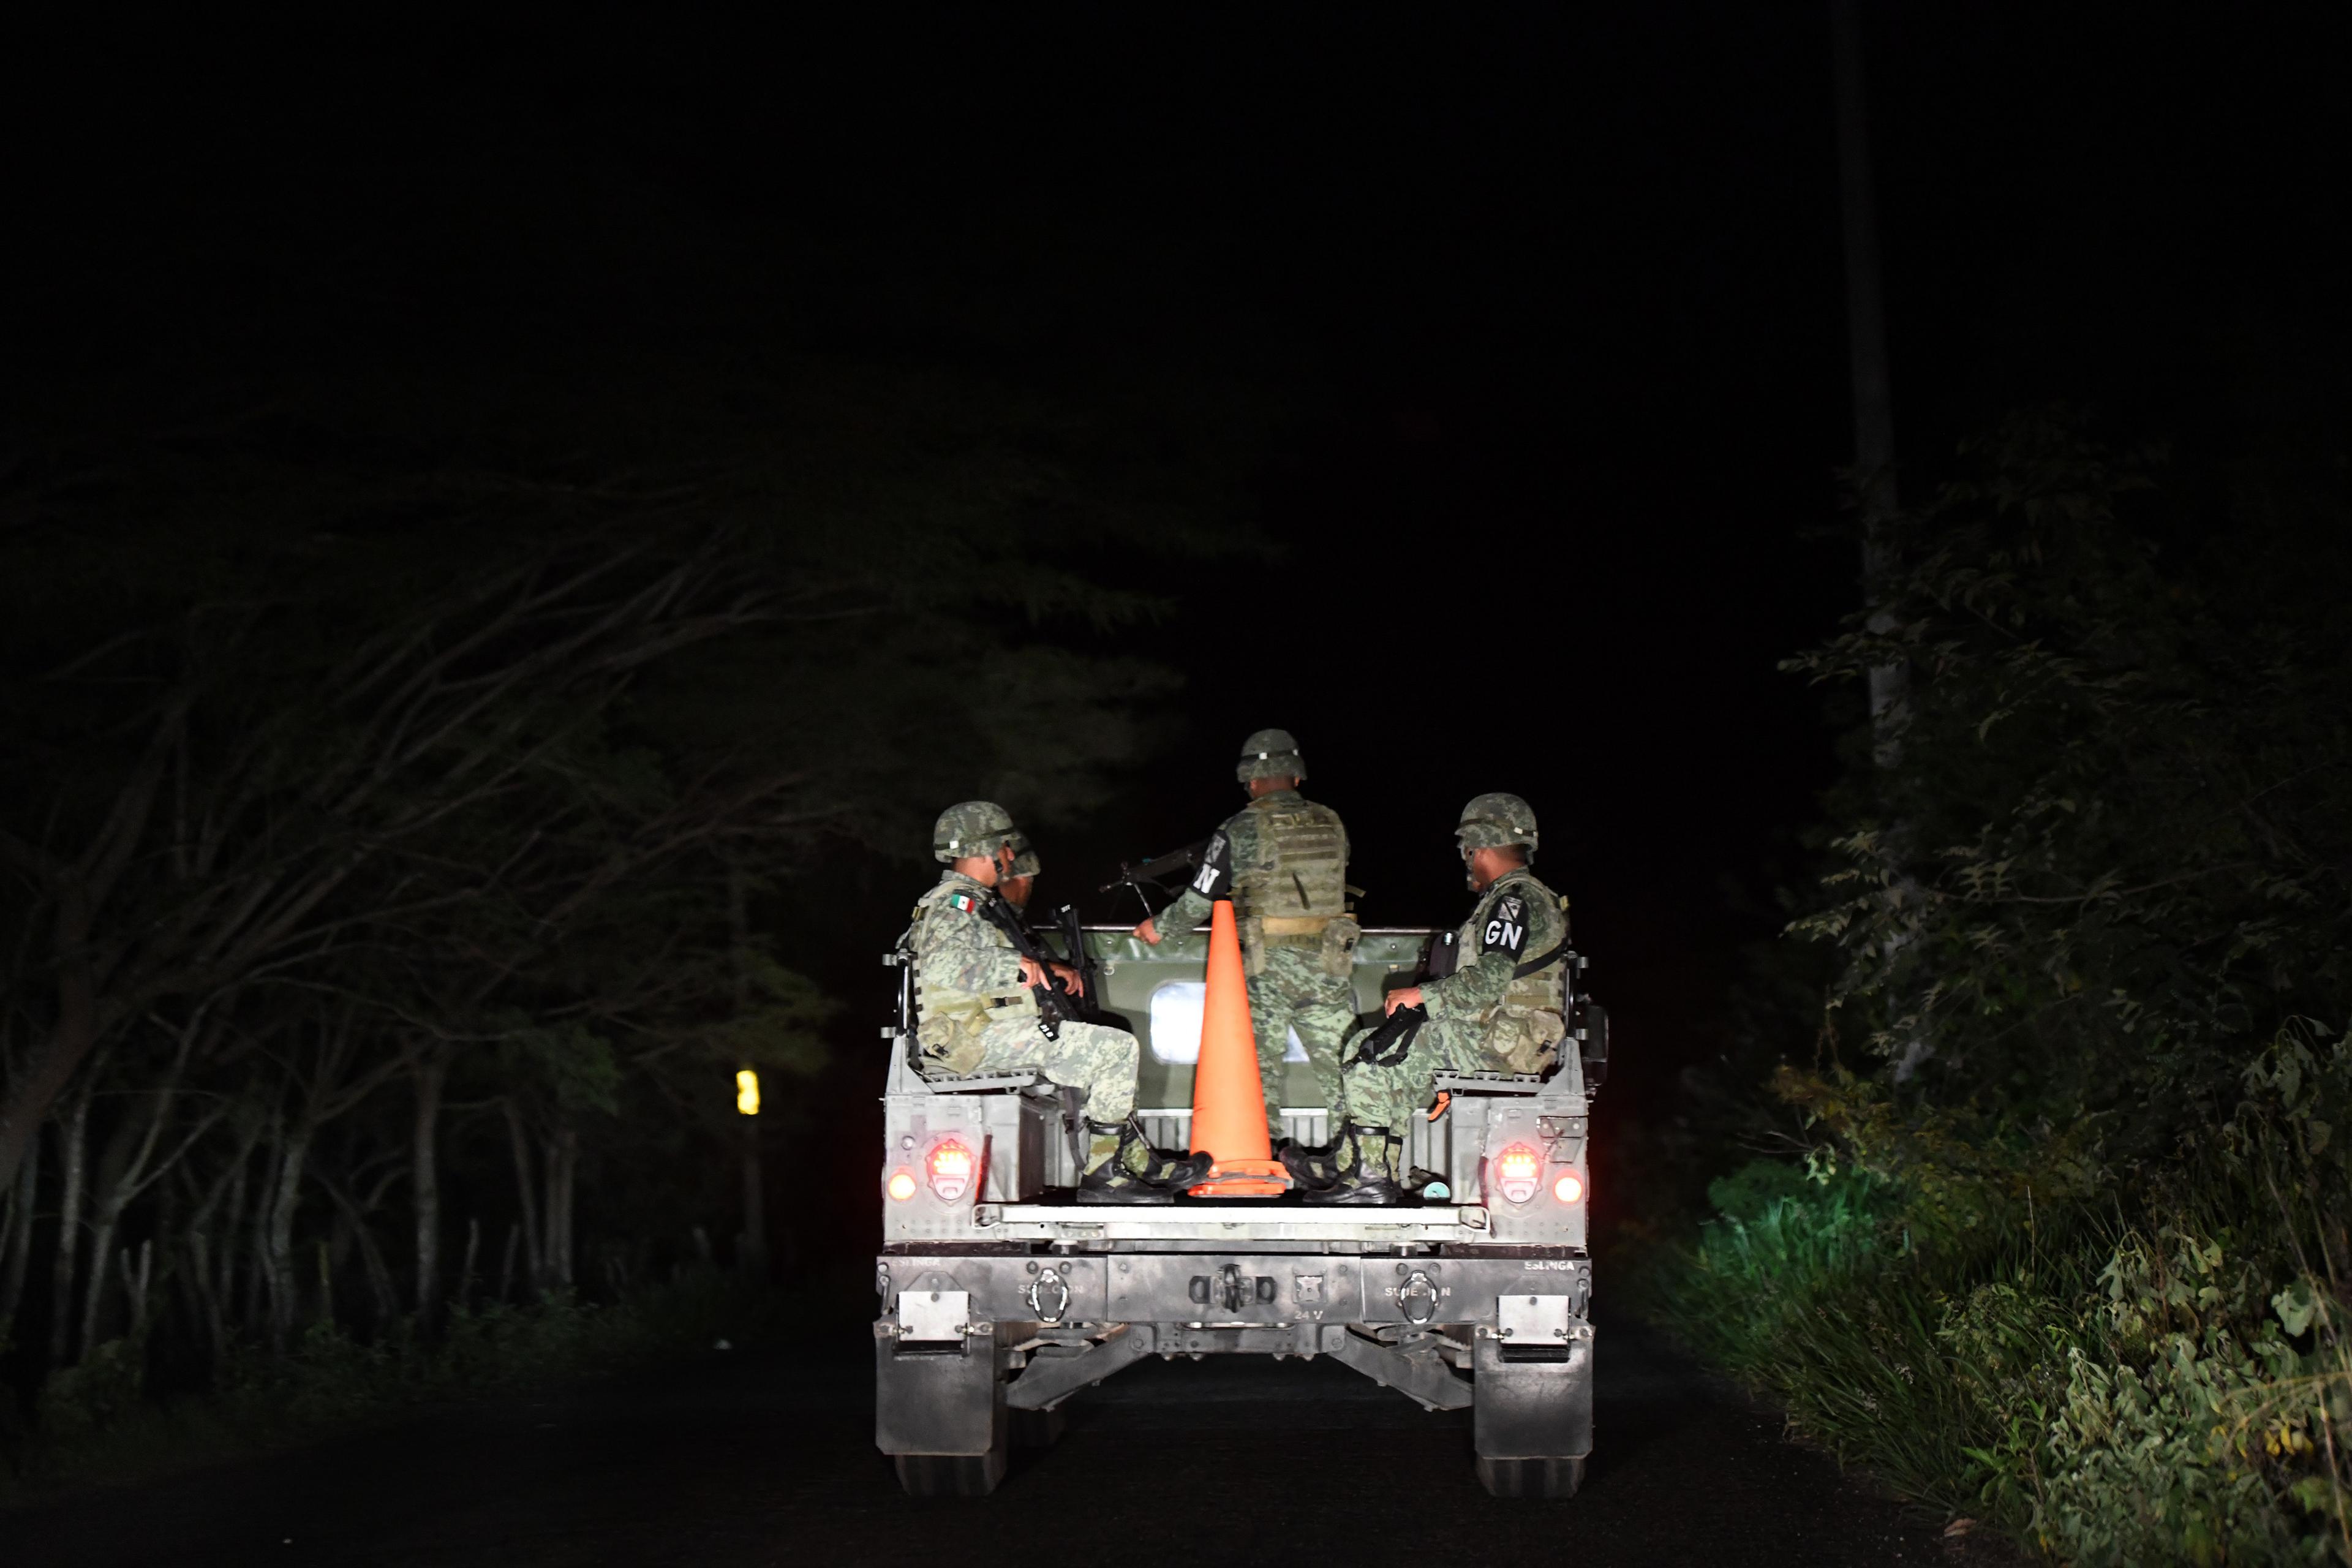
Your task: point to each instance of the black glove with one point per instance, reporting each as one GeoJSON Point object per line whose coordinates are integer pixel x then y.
{"type": "Point", "coordinates": [1386, 1046]}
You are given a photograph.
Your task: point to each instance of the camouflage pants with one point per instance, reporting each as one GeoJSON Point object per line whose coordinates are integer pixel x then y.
{"type": "Point", "coordinates": [1392, 1096]}
{"type": "Point", "coordinates": [1094, 1058]}
{"type": "Point", "coordinates": [1290, 991]}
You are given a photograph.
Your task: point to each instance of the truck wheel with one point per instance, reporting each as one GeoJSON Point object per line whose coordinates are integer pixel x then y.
{"type": "Point", "coordinates": [1531, 1478]}
{"type": "Point", "coordinates": [1038, 1428]}
{"type": "Point", "coordinates": [951, 1475]}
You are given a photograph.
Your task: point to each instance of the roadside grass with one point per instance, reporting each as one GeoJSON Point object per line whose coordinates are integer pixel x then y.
{"type": "Point", "coordinates": [1789, 1297]}
{"type": "Point", "coordinates": [2157, 1369]}
{"type": "Point", "coordinates": [93, 1423]}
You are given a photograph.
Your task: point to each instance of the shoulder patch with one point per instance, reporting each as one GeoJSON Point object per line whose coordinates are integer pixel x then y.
{"type": "Point", "coordinates": [1507, 926]}
{"type": "Point", "coordinates": [1215, 879]}
{"type": "Point", "coordinates": [963, 903]}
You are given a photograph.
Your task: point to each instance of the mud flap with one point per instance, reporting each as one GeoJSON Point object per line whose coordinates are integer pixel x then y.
{"type": "Point", "coordinates": [939, 1409]}
{"type": "Point", "coordinates": [1532, 1420]}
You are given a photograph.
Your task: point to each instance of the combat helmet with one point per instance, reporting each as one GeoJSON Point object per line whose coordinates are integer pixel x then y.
{"type": "Point", "coordinates": [1495, 821]}
{"type": "Point", "coordinates": [1270, 755]}
{"type": "Point", "coordinates": [971, 828]}
{"type": "Point", "coordinates": [1024, 857]}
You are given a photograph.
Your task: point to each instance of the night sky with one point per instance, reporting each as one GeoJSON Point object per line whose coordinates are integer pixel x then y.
{"type": "Point", "coordinates": [1549, 302]}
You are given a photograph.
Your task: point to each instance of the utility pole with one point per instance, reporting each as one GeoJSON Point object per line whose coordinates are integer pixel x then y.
{"type": "Point", "coordinates": [1873, 463]}
{"type": "Point", "coordinates": [1874, 400]}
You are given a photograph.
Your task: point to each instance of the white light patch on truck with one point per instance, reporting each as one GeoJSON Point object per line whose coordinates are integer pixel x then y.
{"type": "Point", "coordinates": [1176, 1008]}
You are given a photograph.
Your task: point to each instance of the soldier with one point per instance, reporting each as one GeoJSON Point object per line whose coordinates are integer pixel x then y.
{"type": "Point", "coordinates": [1501, 1009]}
{"type": "Point", "coordinates": [1283, 860]}
{"type": "Point", "coordinates": [975, 1009]}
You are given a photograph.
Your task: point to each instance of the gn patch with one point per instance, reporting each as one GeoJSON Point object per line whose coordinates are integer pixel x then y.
{"type": "Point", "coordinates": [1215, 879]}
{"type": "Point", "coordinates": [1507, 926]}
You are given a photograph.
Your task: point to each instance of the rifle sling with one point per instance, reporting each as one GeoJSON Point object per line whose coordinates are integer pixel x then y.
{"type": "Point", "coordinates": [1540, 960]}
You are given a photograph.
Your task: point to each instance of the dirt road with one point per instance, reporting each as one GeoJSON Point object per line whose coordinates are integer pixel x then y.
{"type": "Point", "coordinates": [758, 1459]}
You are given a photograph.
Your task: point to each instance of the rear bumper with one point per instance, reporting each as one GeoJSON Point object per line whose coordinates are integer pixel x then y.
{"type": "Point", "coordinates": [1190, 1225]}
{"type": "Point", "coordinates": [1270, 1292]}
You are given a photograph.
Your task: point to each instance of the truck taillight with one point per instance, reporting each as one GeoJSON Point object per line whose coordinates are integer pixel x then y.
{"type": "Point", "coordinates": [1519, 1172]}
{"type": "Point", "coordinates": [1570, 1188]}
{"type": "Point", "coordinates": [951, 1166]}
{"type": "Point", "coordinates": [901, 1186]}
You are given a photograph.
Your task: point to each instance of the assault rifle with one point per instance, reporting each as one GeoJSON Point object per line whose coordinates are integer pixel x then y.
{"type": "Point", "coordinates": [1139, 875]}
{"type": "Point", "coordinates": [1073, 940]}
{"type": "Point", "coordinates": [1056, 1006]}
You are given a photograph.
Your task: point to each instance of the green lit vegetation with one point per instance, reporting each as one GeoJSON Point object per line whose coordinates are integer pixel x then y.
{"type": "Point", "coordinates": [2063, 1248]}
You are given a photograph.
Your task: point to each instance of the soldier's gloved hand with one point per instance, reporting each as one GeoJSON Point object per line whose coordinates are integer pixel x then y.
{"type": "Point", "coordinates": [1408, 997]}
{"type": "Point", "coordinates": [1387, 1046]}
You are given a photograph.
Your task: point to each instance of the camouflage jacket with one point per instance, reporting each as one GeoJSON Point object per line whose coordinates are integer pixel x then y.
{"type": "Point", "coordinates": [967, 974]}
{"type": "Point", "coordinates": [1516, 919]}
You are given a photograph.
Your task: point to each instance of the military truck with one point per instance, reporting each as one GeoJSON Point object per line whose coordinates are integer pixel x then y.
{"type": "Point", "coordinates": [1001, 1297]}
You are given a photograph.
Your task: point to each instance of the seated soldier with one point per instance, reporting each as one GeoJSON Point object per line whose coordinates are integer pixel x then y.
{"type": "Point", "coordinates": [1503, 1009]}
{"type": "Point", "coordinates": [977, 1008]}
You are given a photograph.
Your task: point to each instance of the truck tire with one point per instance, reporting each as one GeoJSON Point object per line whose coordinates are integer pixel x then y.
{"type": "Point", "coordinates": [951, 1475]}
{"type": "Point", "coordinates": [1557, 1477]}
{"type": "Point", "coordinates": [1038, 1428]}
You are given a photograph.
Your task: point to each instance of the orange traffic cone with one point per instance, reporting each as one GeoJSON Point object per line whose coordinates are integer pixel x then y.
{"type": "Point", "coordinates": [1228, 1105]}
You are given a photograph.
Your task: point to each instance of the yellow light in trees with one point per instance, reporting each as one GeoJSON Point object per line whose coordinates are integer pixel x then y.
{"type": "Point", "coordinates": [747, 1092]}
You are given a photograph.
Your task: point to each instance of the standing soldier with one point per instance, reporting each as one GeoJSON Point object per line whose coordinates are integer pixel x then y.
{"type": "Point", "coordinates": [1501, 1009]}
{"type": "Point", "coordinates": [977, 1008]}
{"type": "Point", "coordinates": [1283, 860]}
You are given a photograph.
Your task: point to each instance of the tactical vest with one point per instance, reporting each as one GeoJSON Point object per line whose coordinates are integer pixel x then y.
{"type": "Point", "coordinates": [1529, 1019]}
{"type": "Point", "coordinates": [1298, 880]}
{"type": "Point", "coordinates": [947, 1020]}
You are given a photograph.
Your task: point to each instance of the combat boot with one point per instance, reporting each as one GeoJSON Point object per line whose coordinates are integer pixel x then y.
{"type": "Point", "coordinates": [1369, 1175]}
{"type": "Point", "coordinates": [1131, 1171]}
{"type": "Point", "coordinates": [1312, 1166]}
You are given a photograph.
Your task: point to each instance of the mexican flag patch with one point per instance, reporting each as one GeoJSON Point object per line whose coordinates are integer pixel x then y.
{"type": "Point", "coordinates": [963, 903]}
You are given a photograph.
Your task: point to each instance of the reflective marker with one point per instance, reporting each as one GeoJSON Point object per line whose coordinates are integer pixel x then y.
{"type": "Point", "coordinates": [951, 1165]}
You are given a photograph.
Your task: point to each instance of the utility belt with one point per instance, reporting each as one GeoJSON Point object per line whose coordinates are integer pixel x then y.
{"type": "Point", "coordinates": [974, 1006]}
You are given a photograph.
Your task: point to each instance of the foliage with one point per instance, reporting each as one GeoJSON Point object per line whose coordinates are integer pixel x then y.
{"type": "Point", "coordinates": [2067, 1248]}
{"type": "Point", "coordinates": [410, 769]}
{"type": "Point", "coordinates": [2112, 857]}
{"type": "Point", "coordinates": [2177, 1386]}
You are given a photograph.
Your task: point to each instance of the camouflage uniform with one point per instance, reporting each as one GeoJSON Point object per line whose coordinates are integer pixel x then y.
{"type": "Point", "coordinates": [973, 1014]}
{"type": "Point", "coordinates": [1485, 1016]}
{"type": "Point", "coordinates": [1283, 860]}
